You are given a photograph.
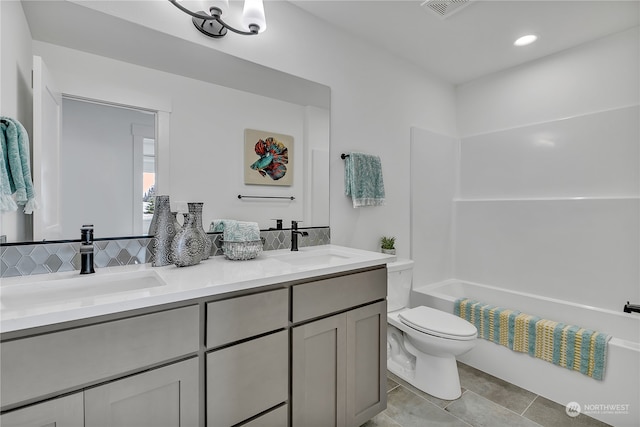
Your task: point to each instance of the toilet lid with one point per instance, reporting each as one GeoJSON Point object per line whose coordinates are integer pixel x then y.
{"type": "Point", "coordinates": [438, 323]}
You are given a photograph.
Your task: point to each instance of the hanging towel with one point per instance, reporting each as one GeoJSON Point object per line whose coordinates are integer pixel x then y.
{"type": "Point", "coordinates": [568, 346]}
{"type": "Point", "coordinates": [363, 180]}
{"type": "Point", "coordinates": [236, 231]}
{"type": "Point", "coordinates": [14, 170]}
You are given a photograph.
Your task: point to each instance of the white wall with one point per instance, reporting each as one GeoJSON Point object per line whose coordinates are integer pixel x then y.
{"type": "Point", "coordinates": [375, 99]}
{"type": "Point", "coordinates": [549, 196]}
{"type": "Point", "coordinates": [207, 122]}
{"type": "Point", "coordinates": [15, 87]}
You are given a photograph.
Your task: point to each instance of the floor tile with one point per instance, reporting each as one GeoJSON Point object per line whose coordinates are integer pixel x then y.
{"type": "Point", "coordinates": [381, 420]}
{"type": "Point", "coordinates": [499, 391]}
{"type": "Point", "coordinates": [411, 410]}
{"type": "Point", "coordinates": [551, 414]}
{"type": "Point", "coordinates": [391, 384]}
{"type": "Point", "coordinates": [481, 412]}
{"type": "Point", "coordinates": [436, 401]}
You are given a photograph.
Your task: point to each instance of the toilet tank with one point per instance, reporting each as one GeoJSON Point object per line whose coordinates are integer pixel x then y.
{"type": "Point", "coordinates": [399, 276]}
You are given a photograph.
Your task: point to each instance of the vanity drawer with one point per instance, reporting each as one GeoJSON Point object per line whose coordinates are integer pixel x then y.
{"type": "Point", "coordinates": [323, 297]}
{"type": "Point", "coordinates": [246, 379]}
{"type": "Point", "coordinates": [59, 361]}
{"type": "Point", "coordinates": [243, 317]}
{"type": "Point", "coordinates": [276, 418]}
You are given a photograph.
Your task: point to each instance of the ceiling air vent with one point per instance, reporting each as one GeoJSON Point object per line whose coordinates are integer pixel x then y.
{"type": "Point", "coordinates": [445, 8]}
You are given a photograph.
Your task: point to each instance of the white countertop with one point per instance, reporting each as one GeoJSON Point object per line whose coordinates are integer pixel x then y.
{"type": "Point", "coordinates": [40, 300]}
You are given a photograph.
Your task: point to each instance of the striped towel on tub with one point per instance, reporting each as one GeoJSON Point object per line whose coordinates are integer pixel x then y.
{"type": "Point", "coordinates": [569, 346]}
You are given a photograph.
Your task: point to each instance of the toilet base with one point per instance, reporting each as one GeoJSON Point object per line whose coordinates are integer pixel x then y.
{"type": "Point", "coordinates": [435, 375]}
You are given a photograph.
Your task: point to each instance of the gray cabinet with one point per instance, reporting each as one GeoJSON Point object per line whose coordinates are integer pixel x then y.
{"type": "Point", "coordinates": [366, 362]}
{"type": "Point", "coordinates": [247, 379]}
{"type": "Point", "coordinates": [338, 363]}
{"type": "Point", "coordinates": [65, 411]}
{"type": "Point", "coordinates": [318, 365]}
{"type": "Point", "coordinates": [299, 354]}
{"type": "Point", "coordinates": [166, 396]}
{"type": "Point", "coordinates": [247, 371]}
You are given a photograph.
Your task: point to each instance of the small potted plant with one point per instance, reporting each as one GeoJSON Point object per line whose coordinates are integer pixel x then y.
{"type": "Point", "coordinates": [387, 245]}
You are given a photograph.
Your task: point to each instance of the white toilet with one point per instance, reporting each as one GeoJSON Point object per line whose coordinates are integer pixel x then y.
{"type": "Point", "coordinates": [422, 342]}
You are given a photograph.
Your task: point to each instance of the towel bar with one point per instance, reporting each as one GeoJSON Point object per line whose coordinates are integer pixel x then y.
{"type": "Point", "coordinates": [240, 196]}
{"type": "Point", "coordinates": [343, 156]}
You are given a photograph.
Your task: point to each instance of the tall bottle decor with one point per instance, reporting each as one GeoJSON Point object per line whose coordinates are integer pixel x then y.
{"type": "Point", "coordinates": [186, 247]}
{"type": "Point", "coordinates": [165, 231]}
{"type": "Point", "coordinates": [195, 208]}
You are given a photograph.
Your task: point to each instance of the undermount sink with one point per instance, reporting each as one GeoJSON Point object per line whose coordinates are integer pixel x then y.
{"type": "Point", "coordinates": [76, 288]}
{"type": "Point", "coordinates": [311, 256]}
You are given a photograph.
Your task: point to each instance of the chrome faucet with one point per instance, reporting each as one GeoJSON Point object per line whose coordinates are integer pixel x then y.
{"type": "Point", "coordinates": [294, 235]}
{"type": "Point", "coordinates": [86, 249]}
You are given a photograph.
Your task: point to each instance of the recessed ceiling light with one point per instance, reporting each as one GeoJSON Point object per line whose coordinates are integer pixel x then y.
{"type": "Point", "coordinates": [525, 40]}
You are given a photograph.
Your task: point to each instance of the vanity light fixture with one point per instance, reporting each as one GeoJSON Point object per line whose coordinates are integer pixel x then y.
{"type": "Point", "coordinates": [525, 40]}
{"type": "Point", "coordinates": [208, 18]}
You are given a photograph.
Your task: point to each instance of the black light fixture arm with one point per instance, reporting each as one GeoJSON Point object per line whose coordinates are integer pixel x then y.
{"type": "Point", "coordinates": [193, 14]}
{"type": "Point", "coordinates": [206, 24]}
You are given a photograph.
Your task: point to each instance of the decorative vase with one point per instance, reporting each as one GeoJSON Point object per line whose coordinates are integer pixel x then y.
{"type": "Point", "coordinates": [164, 232]}
{"type": "Point", "coordinates": [186, 247]}
{"type": "Point", "coordinates": [176, 224]}
{"type": "Point", "coordinates": [195, 208]}
{"type": "Point", "coordinates": [388, 251]}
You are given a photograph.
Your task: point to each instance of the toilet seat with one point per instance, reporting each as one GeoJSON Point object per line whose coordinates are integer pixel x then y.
{"type": "Point", "coordinates": [438, 323]}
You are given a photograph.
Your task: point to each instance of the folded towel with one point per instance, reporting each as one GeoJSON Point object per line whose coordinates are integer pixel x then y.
{"type": "Point", "coordinates": [217, 225]}
{"type": "Point", "coordinates": [564, 345]}
{"type": "Point", "coordinates": [14, 170]}
{"type": "Point", "coordinates": [236, 231]}
{"type": "Point", "coordinates": [363, 180]}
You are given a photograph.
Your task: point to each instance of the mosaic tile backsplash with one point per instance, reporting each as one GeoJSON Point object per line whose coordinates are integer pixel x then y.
{"type": "Point", "coordinates": [43, 258]}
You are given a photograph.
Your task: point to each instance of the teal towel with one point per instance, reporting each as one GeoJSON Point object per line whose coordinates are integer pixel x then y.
{"type": "Point", "coordinates": [217, 225]}
{"type": "Point", "coordinates": [15, 172]}
{"type": "Point", "coordinates": [236, 231]}
{"type": "Point", "coordinates": [363, 180]}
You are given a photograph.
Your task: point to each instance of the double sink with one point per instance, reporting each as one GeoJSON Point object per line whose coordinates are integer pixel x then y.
{"type": "Point", "coordinates": [120, 285]}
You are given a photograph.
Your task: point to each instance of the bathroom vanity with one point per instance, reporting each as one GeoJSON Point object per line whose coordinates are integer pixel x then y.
{"type": "Point", "coordinates": [287, 339]}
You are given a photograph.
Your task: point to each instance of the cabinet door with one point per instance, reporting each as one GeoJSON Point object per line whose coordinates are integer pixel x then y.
{"type": "Point", "coordinates": [165, 396]}
{"type": "Point", "coordinates": [66, 411]}
{"type": "Point", "coordinates": [366, 363]}
{"type": "Point", "coordinates": [318, 373]}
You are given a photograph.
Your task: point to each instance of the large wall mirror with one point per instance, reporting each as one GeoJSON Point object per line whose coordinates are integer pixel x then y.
{"type": "Point", "coordinates": [201, 100]}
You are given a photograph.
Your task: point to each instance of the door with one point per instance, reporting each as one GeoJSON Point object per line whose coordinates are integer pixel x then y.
{"type": "Point", "coordinates": [62, 412]}
{"type": "Point", "coordinates": [47, 125]}
{"type": "Point", "coordinates": [318, 373]}
{"type": "Point", "coordinates": [366, 363]}
{"type": "Point", "coordinates": [165, 396]}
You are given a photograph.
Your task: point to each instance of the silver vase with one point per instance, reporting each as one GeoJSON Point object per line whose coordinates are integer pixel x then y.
{"type": "Point", "coordinates": [195, 208]}
{"type": "Point", "coordinates": [186, 247]}
{"type": "Point", "coordinates": [164, 232]}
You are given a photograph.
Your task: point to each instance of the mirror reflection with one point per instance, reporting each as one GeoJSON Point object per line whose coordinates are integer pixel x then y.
{"type": "Point", "coordinates": [201, 113]}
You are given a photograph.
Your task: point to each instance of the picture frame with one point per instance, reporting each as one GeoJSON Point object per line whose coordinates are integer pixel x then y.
{"type": "Point", "coordinates": [268, 158]}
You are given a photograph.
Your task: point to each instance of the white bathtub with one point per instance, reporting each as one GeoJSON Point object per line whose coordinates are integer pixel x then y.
{"type": "Point", "coordinates": [614, 400]}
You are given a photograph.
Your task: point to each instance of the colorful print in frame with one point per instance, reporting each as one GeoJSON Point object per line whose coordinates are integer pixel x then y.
{"type": "Point", "coordinates": [268, 158]}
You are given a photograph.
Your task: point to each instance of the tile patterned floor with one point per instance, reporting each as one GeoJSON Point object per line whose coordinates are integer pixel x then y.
{"type": "Point", "coordinates": [486, 401]}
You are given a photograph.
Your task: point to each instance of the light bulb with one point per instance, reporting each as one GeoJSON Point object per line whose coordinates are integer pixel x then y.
{"type": "Point", "coordinates": [253, 14]}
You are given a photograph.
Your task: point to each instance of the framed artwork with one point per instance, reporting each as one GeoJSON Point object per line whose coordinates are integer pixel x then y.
{"type": "Point", "coordinates": [268, 158]}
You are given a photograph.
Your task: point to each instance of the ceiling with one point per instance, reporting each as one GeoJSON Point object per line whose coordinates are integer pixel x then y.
{"type": "Point", "coordinates": [478, 38]}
